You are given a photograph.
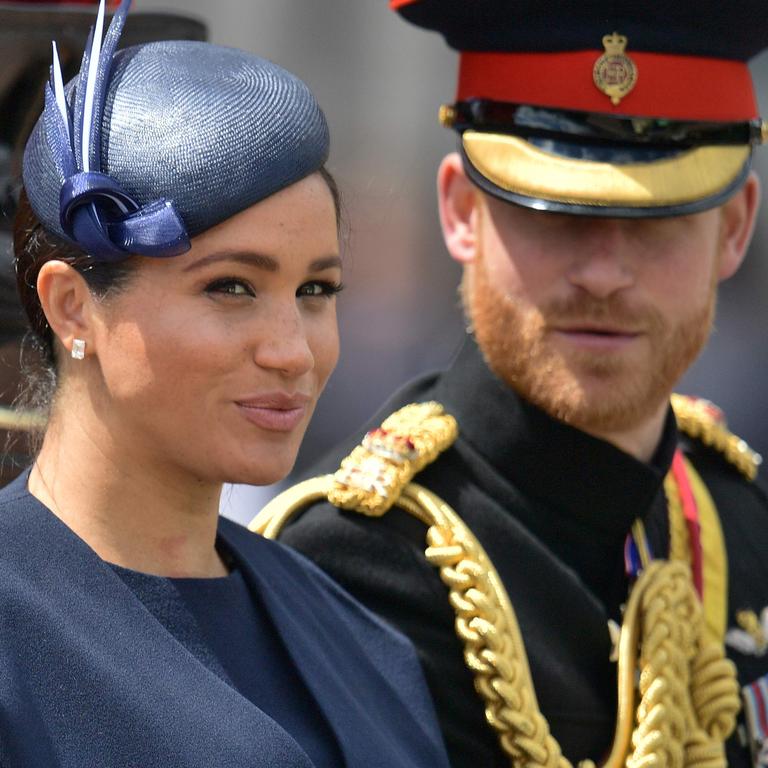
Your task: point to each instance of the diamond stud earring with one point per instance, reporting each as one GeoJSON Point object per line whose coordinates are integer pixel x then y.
{"type": "Point", "coordinates": [78, 349]}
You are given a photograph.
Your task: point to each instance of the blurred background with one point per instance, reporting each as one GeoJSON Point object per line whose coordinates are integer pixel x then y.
{"type": "Point", "coordinates": [381, 83]}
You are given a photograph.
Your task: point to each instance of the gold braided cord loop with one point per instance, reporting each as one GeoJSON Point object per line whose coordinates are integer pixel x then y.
{"type": "Point", "coordinates": [372, 477]}
{"type": "Point", "coordinates": [713, 682]}
{"type": "Point", "coordinates": [275, 515]}
{"type": "Point", "coordinates": [21, 421]}
{"type": "Point", "coordinates": [715, 691]}
{"type": "Point", "coordinates": [487, 626]}
{"type": "Point", "coordinates": [689, 694]}
{"type": "Point", "coordinates": [704, 421]}
{"type": "Point", "coordinates": [688, 691]}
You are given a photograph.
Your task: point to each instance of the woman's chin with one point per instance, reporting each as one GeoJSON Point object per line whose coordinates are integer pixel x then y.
{"type": "Point", "coordinates": [262, 473]}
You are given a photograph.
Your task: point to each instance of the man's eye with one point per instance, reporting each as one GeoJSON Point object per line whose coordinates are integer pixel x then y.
{"type": "Point", "coordinates": [230, 287]}
{"type": "Point", "coordinates": [319, 288]}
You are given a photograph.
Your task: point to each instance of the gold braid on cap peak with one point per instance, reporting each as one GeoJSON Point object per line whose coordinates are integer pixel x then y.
{"type": "Point", "coordinates": [688, 696]}
{"type": "Point", "coordinates": [704, 421]}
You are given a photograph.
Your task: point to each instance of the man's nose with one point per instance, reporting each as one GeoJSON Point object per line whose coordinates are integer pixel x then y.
{"type": "Point", "coordinates": [602, 262]}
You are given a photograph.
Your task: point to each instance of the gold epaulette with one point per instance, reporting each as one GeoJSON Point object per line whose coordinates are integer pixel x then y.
{"type": "Point", "coordinates": [703, 421]}
{"type": "Point", "coordinates": [371, 479]}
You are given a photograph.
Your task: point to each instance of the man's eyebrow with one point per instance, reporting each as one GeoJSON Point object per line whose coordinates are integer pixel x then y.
{"type": "Point", "coordinates": [258, 260]}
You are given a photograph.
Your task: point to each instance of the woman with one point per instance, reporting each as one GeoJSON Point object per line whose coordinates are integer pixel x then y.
{"type": "Point", "coordinates": [177, 255]}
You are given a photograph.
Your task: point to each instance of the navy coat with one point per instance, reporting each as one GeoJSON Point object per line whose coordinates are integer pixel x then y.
{"type": "Point", "coordinates": [88, 677]}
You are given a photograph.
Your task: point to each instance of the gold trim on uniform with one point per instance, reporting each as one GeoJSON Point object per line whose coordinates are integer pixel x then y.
{"type": "Point", "coordinates": [447, 115]}
{"type": "Point", "coordinates": [703, 421]}
{"type": "Point", "coordinates": [751, 637]}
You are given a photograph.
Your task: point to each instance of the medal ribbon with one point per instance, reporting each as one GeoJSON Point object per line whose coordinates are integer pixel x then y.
{"type": "Point", "coordinates": [637, 550]}
{"type": "Point", "coordinates": [691, 514]}
{"type": "Point", "coordinates": [695, 536]}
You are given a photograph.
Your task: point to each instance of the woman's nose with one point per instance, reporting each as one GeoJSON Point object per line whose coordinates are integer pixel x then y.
{"type": "Point", "coordinates": [284, 346]}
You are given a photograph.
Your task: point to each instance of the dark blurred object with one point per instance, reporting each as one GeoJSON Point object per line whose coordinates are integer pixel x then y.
{"type": "Point", "coordinates": [13, 321]}
{"type": "Point", "coordinates": [13, 327]}
{"type": "Point", "coordinates": [26, 32]}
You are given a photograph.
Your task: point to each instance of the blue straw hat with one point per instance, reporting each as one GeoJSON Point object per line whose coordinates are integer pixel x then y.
{"type": "Point", "coordinates": [157, 143]}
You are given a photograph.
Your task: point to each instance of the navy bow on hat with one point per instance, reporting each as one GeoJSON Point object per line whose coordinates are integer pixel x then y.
{"type": "Point", "coordinates": [95, 212]}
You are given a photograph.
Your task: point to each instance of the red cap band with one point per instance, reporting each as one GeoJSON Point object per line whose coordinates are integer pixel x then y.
{"type": "Point", "coordinates": [668, 86]}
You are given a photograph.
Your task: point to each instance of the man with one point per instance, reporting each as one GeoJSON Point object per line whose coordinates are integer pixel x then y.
{"type": "Point", "coordinates": [600, 193]}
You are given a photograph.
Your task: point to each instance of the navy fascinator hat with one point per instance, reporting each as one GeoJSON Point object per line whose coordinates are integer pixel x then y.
{"type": "Point", "coordinates": [154, 144]}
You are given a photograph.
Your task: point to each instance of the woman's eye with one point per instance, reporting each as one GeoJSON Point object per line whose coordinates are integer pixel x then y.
{"type": "Point", "coordinates": [230, 287]}
{"type": "Point", "coordinates": [319, 288]}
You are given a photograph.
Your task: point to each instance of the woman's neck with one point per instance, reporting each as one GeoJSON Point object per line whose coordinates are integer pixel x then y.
{"type": "Point", "coordinates": [143, 517]}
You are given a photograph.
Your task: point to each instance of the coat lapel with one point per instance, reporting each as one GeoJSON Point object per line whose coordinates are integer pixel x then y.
{"type": "Point", "coordinates": [372, 707]}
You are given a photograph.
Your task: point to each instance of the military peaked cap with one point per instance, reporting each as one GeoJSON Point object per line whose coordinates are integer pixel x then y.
{"type": "Point", "coordinates": [603, 108]}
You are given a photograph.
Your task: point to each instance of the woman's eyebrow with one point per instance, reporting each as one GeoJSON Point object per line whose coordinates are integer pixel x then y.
{"type": "Point", "coordinates": [326, 262]}
{"type": "Point", "coordinates": [259, 260]}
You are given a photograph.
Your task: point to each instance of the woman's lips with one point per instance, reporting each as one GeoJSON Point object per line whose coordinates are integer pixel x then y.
{"type": "Point", "coordinates": [275, 412]}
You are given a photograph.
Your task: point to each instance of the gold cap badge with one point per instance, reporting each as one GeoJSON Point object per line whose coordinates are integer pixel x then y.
{"type": "Point", "coordinates": [614, 73]}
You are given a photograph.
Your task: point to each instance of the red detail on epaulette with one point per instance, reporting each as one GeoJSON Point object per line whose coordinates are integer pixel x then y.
{"type": "Point", "coordinates": [708, 407]}
{"type": "Point", "coordinates": [395, 4]}
{"type": "Point", "coordinates": [668, 86]}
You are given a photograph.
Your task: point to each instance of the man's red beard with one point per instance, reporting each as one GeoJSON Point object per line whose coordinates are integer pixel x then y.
{"type": "Point", "coordinates": [591, 391]}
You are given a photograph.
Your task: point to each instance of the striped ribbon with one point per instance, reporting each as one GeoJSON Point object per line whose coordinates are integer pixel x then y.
{"type": "Point", "coordinates": [755, 698]}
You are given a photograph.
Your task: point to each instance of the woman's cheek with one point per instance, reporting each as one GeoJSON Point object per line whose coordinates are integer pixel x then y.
{"type": "Point", "coordinates": [324, 343]}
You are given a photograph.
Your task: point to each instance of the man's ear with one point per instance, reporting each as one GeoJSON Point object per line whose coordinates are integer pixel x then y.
{"type": "Point", "coordinates": [458, 203]}
{"type": "Point", "coordinates": [738, 223]}
{"type": "Point", "coordinates": [66, 301]}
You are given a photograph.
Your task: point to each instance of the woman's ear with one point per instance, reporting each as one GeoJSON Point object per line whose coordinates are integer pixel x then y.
{"type": "Point", "coordinates": [737, 225]}
{"type": "Point", "coordinates": [66, 301]}
{"type": "Point", "coordinates": [458, 203]}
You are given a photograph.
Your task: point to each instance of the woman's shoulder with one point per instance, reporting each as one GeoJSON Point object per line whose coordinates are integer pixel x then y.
{"type": "Point", "coordinates": [269, 557]}
{"type": "Point", "coordinates": [16, 502]}
{"type": "Point", "coordinates": [16, 491]}
{"type": "Point", "coordinates": [375, 667]}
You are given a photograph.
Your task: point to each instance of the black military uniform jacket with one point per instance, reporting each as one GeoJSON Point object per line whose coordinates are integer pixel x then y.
{"type": "Point", "coordinates": [552, 507]}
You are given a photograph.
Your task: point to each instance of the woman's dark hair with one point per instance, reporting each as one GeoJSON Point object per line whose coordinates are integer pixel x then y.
{"type": "Point", "coordinates": [33, 246]}
{"type": "Point", "coordinates": [333, 188]}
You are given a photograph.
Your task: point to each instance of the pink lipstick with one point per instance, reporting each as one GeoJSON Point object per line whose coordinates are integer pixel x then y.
{"type": "Point", "coordinates": [275, 411]}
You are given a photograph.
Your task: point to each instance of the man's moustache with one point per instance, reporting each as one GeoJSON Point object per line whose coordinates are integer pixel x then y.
{"type": "Point", "coordinates": [610, 312]}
